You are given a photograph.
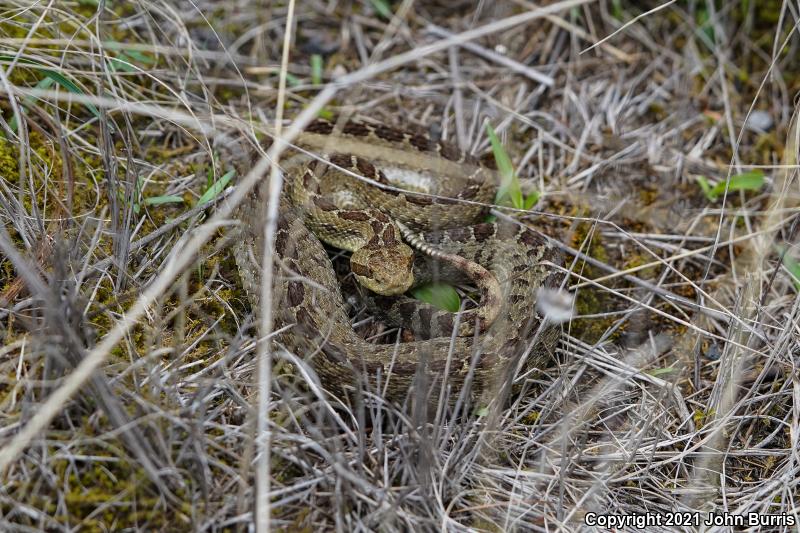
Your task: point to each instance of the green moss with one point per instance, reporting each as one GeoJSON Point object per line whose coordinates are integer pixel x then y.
{"type": "Point", "coordinates": [105, 490]}
{"type": "Point", "coordinates": [125, 493]}
{"type": "Point", "coordinates": [768, 13]}
{"type": "Point", "coordinates": [636, 260]}
{"type": "Point", "coordinates": [9, 157]}
{"type": "Point", "coordinates": [767, 147]}
{"type": "Point", "coordinates": [531, 418]}
{"type": "Point", "coordinates": [590, 300]}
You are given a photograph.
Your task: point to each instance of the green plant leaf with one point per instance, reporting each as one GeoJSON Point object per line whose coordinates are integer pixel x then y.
{"type": "Point", "coordinates": [140, 57]}
{"type": "Point", "coordinates": [293, 80]}
{"type": "Point", "coordinates": [316, 69]}
{"type": "Point", "coordinates": [57, 77]}
{"type": "Point", "coordinates": [702, 181]}
{"type": "Point", "coordinates": [660, 371]}
{"type": "Point", "coordinates": [138, 186]}
{"type": "Point", "coordinates": [216, 187]}
{"type": "Point", "coordinates": [704, 24]}
{"type": "Point", "coordinates": [532, 199]}
{"type": "Point", "coordinates": [792, 265]}
{"type": "Point", "coordinates": [509, 183]}
{"type": "Point", "coordinates": [166, 199]}
{"type": "Point", "coordinates": [616, 9]}
{"type": "Point", "coordinates": [70, 86]}
{"type": "Point", "coordinates": [124, 50]}
{"type": "Point", "coordinates": [794, 268]}
{"type": "Point", "coordinates": [747, 181]}
{"type": "Point", "coordinates": [44, 83]}
{"type": "Point", "coordinates": [121, 63]}
{"type": "Point", "coordinates": [440, 295]}
{"type": "Point", "coordinates": [125, 61]}
{"type": "Point", "coordinates": [382, 8]}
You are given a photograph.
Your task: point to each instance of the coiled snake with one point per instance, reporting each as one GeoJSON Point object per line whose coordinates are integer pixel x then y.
{"type": "Point", "coordinates": [429, 188]}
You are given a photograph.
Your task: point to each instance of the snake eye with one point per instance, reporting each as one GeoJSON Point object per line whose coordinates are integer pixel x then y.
{"type": "Point", "coordinates": [361, 269]}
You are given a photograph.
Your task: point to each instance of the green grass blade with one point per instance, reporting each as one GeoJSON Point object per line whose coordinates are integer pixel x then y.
{"type": "Point", "coordinates": [166, 199]}
{"type": "Point", "coordinates": [293, 80]}
{"type": "Point", "coordinates": [616, 9]}
{"type": "Point", "coordinates": [216, 187]}
{"type": "Point", "coordinates": [43, 84]}
{"type": "Point", "coordinates": [70, 86]}
{"type": "Point", "coordinates": [382, 8]}
{"type": "Point", "coordinates": [57, 77]}
{"type": "Point", "coordinates": [121, 63]}
{"type": "Point", "coordinates": [660, 371]}
{"type": "Point", "coordinates": [316, 69]}
{"type": "Point", "coordinates": [509, 183]}
{"type": "Point", "coordinates": [140, 57]}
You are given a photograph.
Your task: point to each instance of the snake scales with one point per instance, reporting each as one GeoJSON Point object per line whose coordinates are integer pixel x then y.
{"type": "Point", "coordinates": [435, 190]}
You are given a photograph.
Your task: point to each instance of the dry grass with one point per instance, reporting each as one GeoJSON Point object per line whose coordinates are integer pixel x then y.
{"type": "Point", "coordinates": [129, 390]}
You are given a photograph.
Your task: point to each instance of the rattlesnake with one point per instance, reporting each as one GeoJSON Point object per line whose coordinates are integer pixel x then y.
{"type": "Point", "coordinates": [445, 191]}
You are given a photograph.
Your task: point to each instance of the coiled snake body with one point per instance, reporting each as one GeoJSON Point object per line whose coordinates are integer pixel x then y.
{"type": "Point", "coordinates": [433, 190]}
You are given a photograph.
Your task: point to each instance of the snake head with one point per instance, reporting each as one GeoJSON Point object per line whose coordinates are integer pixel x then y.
{"type": "Point", "coordinates": [384, 269]}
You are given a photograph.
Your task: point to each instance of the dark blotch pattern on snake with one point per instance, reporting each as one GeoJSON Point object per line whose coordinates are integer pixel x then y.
{"type": "Point", "coordinates": [309, 308]}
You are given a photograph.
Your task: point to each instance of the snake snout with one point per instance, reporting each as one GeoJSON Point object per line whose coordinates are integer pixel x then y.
{"type": "Point", "coordinates": [385, 270]}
